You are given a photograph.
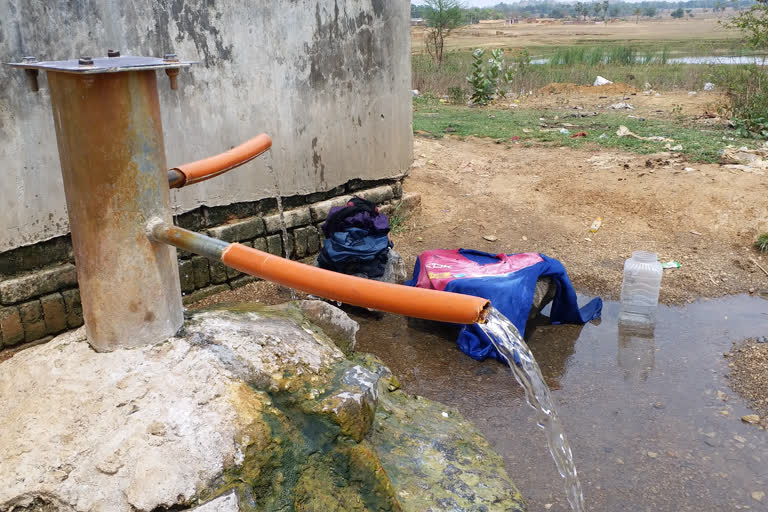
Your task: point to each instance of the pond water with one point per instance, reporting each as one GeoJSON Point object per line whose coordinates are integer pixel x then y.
{"type": "Point", "coordinates": [759, 60]}
{"type": "Point", "coordinates": [641, 409]}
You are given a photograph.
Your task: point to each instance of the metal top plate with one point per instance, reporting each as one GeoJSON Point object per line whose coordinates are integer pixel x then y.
{"type": "Point", "coordinates": [103, 65]}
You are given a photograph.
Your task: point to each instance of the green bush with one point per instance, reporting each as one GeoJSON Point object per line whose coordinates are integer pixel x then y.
{"type": "Point", "coordinates": [457, 95]}
{"type": "Point", "coordinates": [762, 242]}
{"type": "Point", "coordinates": [482, 89]}
{"type": "Point", "coordinates": [491, 79]}
{"type": "Point", "coordinates": [747, 88]}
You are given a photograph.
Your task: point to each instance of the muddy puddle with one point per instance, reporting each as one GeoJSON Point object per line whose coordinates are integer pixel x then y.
{"type": "Point", "coordinates": [648, 428]}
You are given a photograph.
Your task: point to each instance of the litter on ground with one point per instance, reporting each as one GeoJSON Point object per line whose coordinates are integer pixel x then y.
{"type": "Point", "coordinates": [623, 131]}
{"type": "Point", "coordinates": [601, 81]}
{"type": "Point", "coordinates": [744, 159]}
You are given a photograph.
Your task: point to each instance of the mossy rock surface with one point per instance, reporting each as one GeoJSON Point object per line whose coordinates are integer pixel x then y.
{"type": "Point", "coordinates": [251, 408]}
{"type": "Point", "coordinates": [437, 460]}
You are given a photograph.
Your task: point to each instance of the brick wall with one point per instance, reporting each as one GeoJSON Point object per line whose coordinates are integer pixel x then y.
{"type": "Point", "coordinates": [38, 283]}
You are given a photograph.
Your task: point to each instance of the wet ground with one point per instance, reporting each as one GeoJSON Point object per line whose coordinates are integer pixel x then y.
{"type": "Point", "coordinates": [650, 417]}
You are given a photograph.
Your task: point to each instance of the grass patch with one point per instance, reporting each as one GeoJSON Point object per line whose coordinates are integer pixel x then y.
{"type": "Point", "coordinates": [699, 144]}
{"type": "Point", "coordinates": [397, 220]}
{"type": "Point", "coordinates": [762, 243]}
{"type": "Point", "coordinates": [636, 65]}
{"type": "Point", "coordinates": [597, 55]}
{"type": "Point", "coordinates": [684, 48]}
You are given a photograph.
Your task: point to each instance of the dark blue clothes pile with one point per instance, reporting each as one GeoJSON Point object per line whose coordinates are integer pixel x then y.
{"type": "Point", "coordinates": [356, 239]}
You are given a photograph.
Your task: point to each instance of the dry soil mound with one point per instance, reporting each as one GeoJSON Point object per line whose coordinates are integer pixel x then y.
{"type": "Point", "coordinates": [603, 90]}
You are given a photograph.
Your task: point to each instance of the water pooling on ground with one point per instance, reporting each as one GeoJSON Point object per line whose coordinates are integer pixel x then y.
{"type": "Point", "coordinates": [508, 341]}
{"type": "Point", "coordinates": [648, 429]}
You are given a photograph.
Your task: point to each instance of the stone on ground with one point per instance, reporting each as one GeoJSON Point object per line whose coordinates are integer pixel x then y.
{"type": "Point", "coordinates": [245, 410]}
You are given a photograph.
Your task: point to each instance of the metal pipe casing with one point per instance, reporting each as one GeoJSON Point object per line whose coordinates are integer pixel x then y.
{"type": "Point", "coordinates": [110, 139]}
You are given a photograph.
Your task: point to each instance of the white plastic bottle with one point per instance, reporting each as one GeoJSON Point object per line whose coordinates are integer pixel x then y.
{"type": "Point", "coordinates": [640, 289]}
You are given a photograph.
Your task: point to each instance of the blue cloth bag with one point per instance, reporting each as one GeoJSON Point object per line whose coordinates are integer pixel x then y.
{"type": "Point", "coordinates": [512, 294]}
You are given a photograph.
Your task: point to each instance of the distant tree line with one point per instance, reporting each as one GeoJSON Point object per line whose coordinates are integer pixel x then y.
{"type": "Point", "coordinates": [595, 9]}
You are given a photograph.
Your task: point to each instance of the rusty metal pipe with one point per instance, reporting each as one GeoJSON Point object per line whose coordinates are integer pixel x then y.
{"type": "Point", "coordinates": [176, 178]}
{"type": "Point", "coordinates": [110, 139]}
{"type": "Point", "coordinates": [402, 300]}
{"type": "Point", "coordinates": [160, 231]}
{"type": "Point", "coordinates": [201, 170]}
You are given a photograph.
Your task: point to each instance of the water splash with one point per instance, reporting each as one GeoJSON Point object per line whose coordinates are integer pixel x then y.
{"type": "Point", "coordinates": [507, 340]}
{"type": "Point", "coordinates": [278, 196]}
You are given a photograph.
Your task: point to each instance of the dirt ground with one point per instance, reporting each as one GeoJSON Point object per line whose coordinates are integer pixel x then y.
{"type": "Point", "coordinates": [648, 103]}
{"type": "Point", "coordinates": [545, 199]}
{"type": "Point", "coordinates": [264, 292]}
{"type": "Point", "coordinates": [748, 362]}
{"type": "Point", "coordinates": [521, 35]}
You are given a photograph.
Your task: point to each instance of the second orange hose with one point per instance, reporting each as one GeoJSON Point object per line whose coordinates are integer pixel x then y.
{"type": "Point", "coordinates": [211, 167]}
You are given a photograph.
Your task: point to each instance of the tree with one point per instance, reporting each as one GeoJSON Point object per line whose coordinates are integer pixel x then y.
{"type": "Point", "coordinates": [650, 12]}
{"type": "Point", "coordinates": [636, 13]}
{"type": "Point", "coordinates": [557, 13]}
{"type": "Point", "coordinates": [689, 12]}
{"type": "Point", "coordinates": [580, 10]}
{"type": "Point", "coordinates": [597, 8]}
{"type": "Point", "coordinates": [753, 24]}
{"type": "Point", "coordinates": [678, 13]}
{"type": "Point", "coordinates": [605, 6]}
{"type": "Point", "coordinates": [748, 90]}
{"type": "Point", "coordinates": [442, 17]}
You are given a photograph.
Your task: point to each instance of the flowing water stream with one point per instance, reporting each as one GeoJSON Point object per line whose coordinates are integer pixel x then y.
{"type": "Point", "coordinates": [284, 230]}
{"type": "Point", "coordinates": [508, 341]}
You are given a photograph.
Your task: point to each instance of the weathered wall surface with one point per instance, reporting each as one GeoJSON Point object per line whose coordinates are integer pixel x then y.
{"type": "Point", "coordinates": [327, 79]}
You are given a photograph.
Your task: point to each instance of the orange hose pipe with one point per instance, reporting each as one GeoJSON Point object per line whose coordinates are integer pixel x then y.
{"type": "Point", "coordinates": [201, 170]}
{"type": "Point", "coordinates": [402, 300]}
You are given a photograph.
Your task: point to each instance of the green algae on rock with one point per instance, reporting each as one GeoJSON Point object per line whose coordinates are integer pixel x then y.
{"type": "Point", "coordinates": [437, 460]}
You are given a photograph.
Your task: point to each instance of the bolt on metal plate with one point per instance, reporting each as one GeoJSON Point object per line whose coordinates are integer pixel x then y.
{"type": "Point", "coordinates": [94, 65]}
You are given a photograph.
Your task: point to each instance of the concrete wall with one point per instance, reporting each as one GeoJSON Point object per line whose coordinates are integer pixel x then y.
{"type": "Point", "coordinates": [327, 79]}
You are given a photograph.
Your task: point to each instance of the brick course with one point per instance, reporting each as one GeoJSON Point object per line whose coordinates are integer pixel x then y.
{"type": "Point", "coordinates": [38, 284]}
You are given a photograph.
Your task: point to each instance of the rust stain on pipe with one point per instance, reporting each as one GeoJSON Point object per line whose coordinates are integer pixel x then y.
{"type": "Point", "coordinates": [110, 138]}
{"type": "Point", "coordinates": [201, 170]}
{"type": "Point", "coordinates": [190, 241]}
